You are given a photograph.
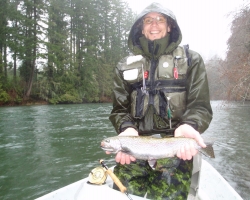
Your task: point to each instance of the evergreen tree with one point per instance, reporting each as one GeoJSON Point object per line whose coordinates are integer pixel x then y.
{"type": "Point", "coordinates": [3, 39]}
{"type": "Point", "coordinates": [15, 36]}
{"type": "Point", "coordinates": [31, 30]}
{"type": "Point", "coordinates": [57, 50]}
{"type": "Point", "coordinates": [65, 50]}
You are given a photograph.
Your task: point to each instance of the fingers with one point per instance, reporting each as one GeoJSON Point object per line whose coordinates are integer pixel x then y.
{"type": "Point", "coordinates": [132, 158]}
{"type": "Point", "coordinates": [129, 132]}
{"type": "Point", "coordinates": [186, 152]}
{"type": "Point", "coordinates": [123, 158]}
{"type": "Point", "coordinates": [200, 140]}
{"type": "Point", "coordinates": [118, 157]}
{"type": "Point", "coordinates": [193, 150]}
{"type": "Point", "coordinates": [178, 132]}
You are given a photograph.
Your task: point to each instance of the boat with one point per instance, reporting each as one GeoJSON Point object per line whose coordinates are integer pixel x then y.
{"type": "Point", "coordinates": [212, 186]}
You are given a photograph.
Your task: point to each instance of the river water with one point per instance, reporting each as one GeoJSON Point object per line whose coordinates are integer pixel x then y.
{"type": "Point", "coordinates": [43, 148]}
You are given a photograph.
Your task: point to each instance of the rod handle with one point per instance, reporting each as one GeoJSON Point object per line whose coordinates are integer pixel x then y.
{"type": "Point", "coordinates": [119, 184]}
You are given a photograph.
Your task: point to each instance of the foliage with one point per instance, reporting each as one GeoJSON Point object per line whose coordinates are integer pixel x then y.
{"type": "Point", "coordinates": [10, 93]}
{"type": "Point", "coordinates": [66, 98]}
{"type": "Point", "coordinates": [4, 97]}
{"type": "Point", "coordinates": [236, 67]}
{"type": "Point", "coordinates": [229, 79]}
{"type": "Point", "coordinates": [62, 51]}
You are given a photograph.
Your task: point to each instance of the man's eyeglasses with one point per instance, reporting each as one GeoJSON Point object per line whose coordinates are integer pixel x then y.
{"type": "Point", "coordinates": [159, 19]}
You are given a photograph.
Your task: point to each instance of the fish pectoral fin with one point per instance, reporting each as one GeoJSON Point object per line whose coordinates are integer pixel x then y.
{"type": "Point", "coordinates": [208, 151]}
{"type": "Point", "coordinates": [126, 150]}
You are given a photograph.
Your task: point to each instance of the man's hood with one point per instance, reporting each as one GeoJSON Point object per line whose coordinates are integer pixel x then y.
{"type": "Point", "coordinates": [136, 30]}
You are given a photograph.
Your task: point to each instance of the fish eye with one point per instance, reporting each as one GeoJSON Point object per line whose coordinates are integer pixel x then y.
{"type": "Point", "coordinates": [107, 140]}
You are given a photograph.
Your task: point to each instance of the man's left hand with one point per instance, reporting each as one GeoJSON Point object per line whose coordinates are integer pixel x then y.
{"type": "Point", "coordinates": [188, 151]}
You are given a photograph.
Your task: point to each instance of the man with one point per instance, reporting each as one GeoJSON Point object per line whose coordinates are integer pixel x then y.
{"type": "Point", "coordinates": [161, 89]}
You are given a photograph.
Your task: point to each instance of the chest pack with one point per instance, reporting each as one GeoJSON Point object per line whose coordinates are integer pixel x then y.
{"type": "Point", "coordinates": [171, 66]}
{"type": "Point", "coordinates": [161, 83]}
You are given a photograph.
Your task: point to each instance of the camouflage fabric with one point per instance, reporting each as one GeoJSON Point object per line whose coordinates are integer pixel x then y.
{"type": "Point", "coordinates": [169, 180]}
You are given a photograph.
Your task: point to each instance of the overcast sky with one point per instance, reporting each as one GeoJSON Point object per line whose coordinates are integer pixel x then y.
{"type": "Point", "coordinates": [205, 24]}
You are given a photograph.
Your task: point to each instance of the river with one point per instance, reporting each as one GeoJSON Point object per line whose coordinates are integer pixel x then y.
{"type": "Point", "coordinates": [43, 148]}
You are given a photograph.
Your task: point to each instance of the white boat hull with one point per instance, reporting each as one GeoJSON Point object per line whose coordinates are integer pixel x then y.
{"type": "Point", "coordinates": [212, 187]}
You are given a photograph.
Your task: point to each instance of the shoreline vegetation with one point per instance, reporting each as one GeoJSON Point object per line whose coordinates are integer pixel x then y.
{"type": "Point", "coordinates": [32, 102]}
{"type": "Point", "coordinates": [61, 51]}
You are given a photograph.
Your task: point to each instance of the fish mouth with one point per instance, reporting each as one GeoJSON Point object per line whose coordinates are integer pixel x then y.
{"type": "Point", "coordinates": [107, 149]}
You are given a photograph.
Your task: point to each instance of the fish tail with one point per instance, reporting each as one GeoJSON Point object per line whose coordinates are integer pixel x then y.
{"type": "Point", "coordinates": [208, 151]}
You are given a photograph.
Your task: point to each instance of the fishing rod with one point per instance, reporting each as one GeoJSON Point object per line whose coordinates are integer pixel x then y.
{"type": "Point", "coordinates": [122, 188]}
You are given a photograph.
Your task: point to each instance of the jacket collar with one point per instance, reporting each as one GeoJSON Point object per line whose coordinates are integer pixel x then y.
{"type": "Point", "coordinates": [154, 49]}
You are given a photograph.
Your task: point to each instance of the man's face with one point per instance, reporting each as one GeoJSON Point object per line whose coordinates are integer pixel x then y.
{"type": "Point", "coordinates": [155, 26]}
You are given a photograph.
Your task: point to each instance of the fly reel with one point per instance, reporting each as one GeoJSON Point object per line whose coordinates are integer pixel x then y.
{"type": "Point", "coordinates": [97, 176]}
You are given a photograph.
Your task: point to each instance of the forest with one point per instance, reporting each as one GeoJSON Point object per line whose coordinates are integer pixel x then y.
{"type": "Point", "coordinates": [64, 51]}
{"type": "Point", "coordinates": [229, 79]}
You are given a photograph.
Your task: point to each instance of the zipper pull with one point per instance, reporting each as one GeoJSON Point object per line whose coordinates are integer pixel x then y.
{"type": "Point", "coordinates": [146, 74]}
{"type": "Point", "coordinates": [176, 73]}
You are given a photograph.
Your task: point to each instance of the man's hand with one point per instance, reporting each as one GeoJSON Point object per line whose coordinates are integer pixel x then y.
{"type": "Point", "coordinates": [188, 151]}
{"type": "Point", "coordinates": [124, 158]}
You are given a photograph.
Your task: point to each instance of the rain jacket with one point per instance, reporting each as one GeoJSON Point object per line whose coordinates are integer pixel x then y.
{"type": "Point", "coordinates": [161, 85]}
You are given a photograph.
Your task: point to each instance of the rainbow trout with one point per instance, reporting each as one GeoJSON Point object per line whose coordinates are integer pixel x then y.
{"type": "Point", "coordinates": [151, 148]}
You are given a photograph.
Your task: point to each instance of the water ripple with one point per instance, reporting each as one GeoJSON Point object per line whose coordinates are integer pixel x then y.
{"type": "Point", "coordinates": [47, 147]}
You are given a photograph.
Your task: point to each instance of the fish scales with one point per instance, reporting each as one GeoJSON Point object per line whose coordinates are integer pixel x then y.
{"type": "Point", "coordinates": [149, 148]}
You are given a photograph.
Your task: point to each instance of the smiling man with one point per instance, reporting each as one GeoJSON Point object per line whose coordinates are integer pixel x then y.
{"type": "Point", "coordinates": [155, 26]}
{"type": "Point", "coordinates": [161, 89]}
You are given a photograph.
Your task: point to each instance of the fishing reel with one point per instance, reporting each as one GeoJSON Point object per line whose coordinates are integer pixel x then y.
{"type": "Point", "coordinates": [98, 176]}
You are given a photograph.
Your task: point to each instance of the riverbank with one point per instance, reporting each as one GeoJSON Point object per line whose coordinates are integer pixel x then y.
{"type": "Point", "coordinates": [24, 103]}
{"type": "Point", "coordinates": [32, 102]}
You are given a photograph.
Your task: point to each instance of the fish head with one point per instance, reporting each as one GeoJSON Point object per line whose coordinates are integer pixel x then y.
{"type": "Point", "coordinates": [111, 144]}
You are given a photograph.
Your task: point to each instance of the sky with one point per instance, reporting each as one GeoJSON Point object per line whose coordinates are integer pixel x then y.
{"type": "Point", "coordinates": [205, 24]}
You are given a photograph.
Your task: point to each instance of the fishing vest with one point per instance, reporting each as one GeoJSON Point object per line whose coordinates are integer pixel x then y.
{"type": "Point", "coordinates": [164, 87]}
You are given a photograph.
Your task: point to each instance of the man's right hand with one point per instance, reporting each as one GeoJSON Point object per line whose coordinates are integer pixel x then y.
{"type": "Point", "coordinates": [121, 157]}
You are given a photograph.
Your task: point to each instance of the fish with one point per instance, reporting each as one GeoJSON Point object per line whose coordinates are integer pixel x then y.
{"type": "Point", "coordinates": [152, 148]}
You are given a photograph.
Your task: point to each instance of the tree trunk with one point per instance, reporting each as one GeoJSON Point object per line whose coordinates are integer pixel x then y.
{"type": "Point", "coordinates": [33, 62]}
{"type": "Point", "coordinates": [5, 61]}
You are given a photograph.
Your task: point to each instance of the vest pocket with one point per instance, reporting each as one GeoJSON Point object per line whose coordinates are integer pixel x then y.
{"type": "Point", "coordinates": [139, 103]}
{"type": "Point", "coordinates": [165, 67]}
{"type": "Point", "coordinates": [173, 102]}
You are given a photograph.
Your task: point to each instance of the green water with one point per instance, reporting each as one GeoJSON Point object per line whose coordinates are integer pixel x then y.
{"type": "Point", "coordinates": [43, 148]}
